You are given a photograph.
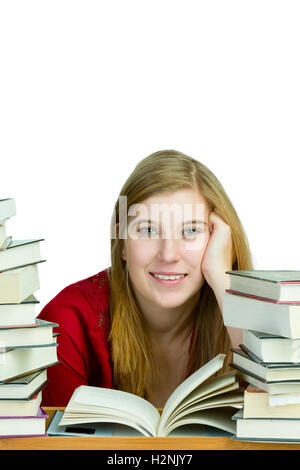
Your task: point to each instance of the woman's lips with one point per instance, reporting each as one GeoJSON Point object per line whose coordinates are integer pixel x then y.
{"type": "Point", "coordinates": [169, 282]}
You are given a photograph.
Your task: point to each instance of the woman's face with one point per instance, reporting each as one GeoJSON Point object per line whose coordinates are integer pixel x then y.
{"type": "Point", "coordinates": [169, 244]}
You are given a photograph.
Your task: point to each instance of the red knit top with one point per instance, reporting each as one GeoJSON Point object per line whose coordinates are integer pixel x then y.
{"type": "Point", "coordinates": [82, 312]}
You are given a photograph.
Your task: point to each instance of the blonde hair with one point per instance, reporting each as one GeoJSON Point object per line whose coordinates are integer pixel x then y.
{"type": "Point", "coordinates": [134, 368]}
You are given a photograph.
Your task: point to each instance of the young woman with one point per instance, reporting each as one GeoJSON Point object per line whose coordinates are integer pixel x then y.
{"type": "Point", "coordinates": [154, 316]}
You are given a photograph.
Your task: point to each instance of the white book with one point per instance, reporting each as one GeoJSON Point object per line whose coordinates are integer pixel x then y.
{"type": "Point", "coordinates": [18, 284]}
{"type": "Point", "coordinates": [271, 348]}
{"type": "Point", "coordinates": [15, 362]}
{"type": "Point", "coordinates": [259, 404]}
{"type": "Point", "coordinates": [24, 387]}
{"type": "Point", "coordinates": [273, 388]}
{"type": "Point", "coordinates": [41, 332]}
{"type": "Point", "coordinates": [266, 428]}
{"type": "Point", "coordinates": [268, 372]}
{"type": "Point", "coordinates": [261, 315]}
{"type": "Point", "coordinates": [18, 426]}
{"type": "Point", "coordinates": [18, 315]}
{"type": "Point", "coordinates": [271, 284]}
{"type": "Point", "coordinates": [20, 253]}
{"type": "Point", "coordinates": [21, 408]}
{"type": "Point", "coordinates": [200, 399]}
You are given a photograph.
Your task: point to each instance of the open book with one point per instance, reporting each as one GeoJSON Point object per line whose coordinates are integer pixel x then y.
{"type": "Point", "coordinates": [200, 399]}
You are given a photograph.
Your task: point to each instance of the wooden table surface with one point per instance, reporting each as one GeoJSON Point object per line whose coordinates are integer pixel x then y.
{"type": "Point", "coordinates": [133, 443]}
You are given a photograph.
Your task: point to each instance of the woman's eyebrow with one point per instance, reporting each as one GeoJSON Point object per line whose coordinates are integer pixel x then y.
{"type": "Point", "coordinates": [194, 221]}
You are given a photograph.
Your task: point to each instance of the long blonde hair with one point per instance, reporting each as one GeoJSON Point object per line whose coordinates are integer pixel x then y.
{"type": "Point", "coordinates": [134, 368]}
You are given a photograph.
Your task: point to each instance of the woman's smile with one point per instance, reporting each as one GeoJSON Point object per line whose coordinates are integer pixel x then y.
{"type": "Point", "coordinates": [170, 279]}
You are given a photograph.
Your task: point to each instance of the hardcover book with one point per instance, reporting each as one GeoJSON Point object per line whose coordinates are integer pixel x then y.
{"type": "Point", "coordinates": [272, 284]}
{"type": "Point", "coordinates": [270, 348]}
{"type": "Point", "coordinates": [41, 332]}
{"type": "Point", "coordinates": [19, 361]}
{"type": "Point", "coordinates": [21, 426]}
{"type": "Point", "coordinates": [18, 284]}
{"type": "Point", "coordinates": [18, 315]}
{"type": "Point", "coordinates": [259, 404]}
{"type": "Point", "coordinates": [21, 407]}
{"type": "Point", "coordinates": [20, 253]}
{"type": "Point", "coordinates": [266, 429]}
{"type": "Point", "coordinates": [248, 313]}
{"type": "Point", "coordinates": [24, 387]}
{"type": "Point", "coordinates": [268, 372]}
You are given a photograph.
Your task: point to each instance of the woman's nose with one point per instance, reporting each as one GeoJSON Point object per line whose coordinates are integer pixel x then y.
{"type": "Point", "coordinates": [169, 249]}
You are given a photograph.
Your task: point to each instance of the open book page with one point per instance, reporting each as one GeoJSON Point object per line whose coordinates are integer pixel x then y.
{"type": "Point", "coordinates": [219, 418]}
{"type": "Point", "coordinates": [212, 387]}
{"type": "Point", "coordinates": [230, 399]}
{"type": "Point", "coordinates": [231, 392]}
{"type": "Point", "coordinates": [187, 386]}
{"type": "Point", "coordinates": [90, 403]}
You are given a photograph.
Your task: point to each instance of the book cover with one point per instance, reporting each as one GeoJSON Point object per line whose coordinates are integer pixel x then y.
{"type": "Point", "coordinates": [6, 270]}
{"type": "Point", "coordinates": [31, 299]}
{"type": "Point", "coordinates": [268, 364]}
{"type": "Point", "coordinates": [274, 276]}
{"type": "Point", "coordinates": [16, 243]}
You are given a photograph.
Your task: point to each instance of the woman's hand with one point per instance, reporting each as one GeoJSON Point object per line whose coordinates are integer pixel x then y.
{"type": "Point", "coordinates": [218, 254]}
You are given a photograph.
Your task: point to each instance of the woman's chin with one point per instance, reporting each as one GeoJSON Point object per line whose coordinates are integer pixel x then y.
{"type": "Point", "coordinates": [169, 302]}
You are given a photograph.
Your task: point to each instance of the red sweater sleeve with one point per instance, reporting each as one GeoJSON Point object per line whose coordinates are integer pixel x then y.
{"type": "Point", "coordinates": [79, 346]}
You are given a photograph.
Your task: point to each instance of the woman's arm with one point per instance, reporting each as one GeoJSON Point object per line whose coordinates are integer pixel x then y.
{"type": "Point", "coordinates": [216, 261]}
{"type": "Point", "coordinates": [221, 284]}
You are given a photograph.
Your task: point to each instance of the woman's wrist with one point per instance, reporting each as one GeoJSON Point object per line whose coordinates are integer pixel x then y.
{"type": "Point", "coordinates": [219, 286]}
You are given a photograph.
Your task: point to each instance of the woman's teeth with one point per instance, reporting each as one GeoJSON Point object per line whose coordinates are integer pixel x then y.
{"type": "Point", "coordinates": [160, 276]}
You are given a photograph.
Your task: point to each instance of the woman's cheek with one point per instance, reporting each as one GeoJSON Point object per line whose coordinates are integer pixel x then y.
{"type": "Point", "coordinates": [141, 252]}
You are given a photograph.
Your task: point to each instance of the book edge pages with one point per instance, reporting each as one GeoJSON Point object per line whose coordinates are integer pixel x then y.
{"type": "Point", "coordinates": [187, 386]}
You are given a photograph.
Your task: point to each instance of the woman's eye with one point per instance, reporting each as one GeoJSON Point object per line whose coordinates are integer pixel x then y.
{"type": "Point", "coordinates": [192, 231]}
{"type": "Point", "coordinates": [145, 230]}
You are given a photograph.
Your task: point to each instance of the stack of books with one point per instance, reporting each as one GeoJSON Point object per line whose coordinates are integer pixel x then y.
{"type": "Point", "coordinates": [28, 345]}
{"type": "Point", "coordinates": [266, 306]}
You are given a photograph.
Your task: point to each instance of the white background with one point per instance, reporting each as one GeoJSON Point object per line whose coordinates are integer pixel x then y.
{"type": "Point", "coordinates": [89, 88]}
